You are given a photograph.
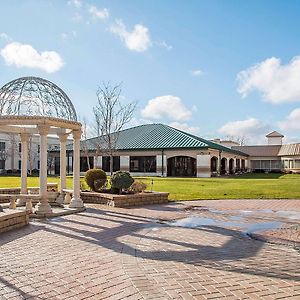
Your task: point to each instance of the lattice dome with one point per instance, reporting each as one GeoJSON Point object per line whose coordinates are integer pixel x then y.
{"type": "Point", "coordinates": [34, 96]}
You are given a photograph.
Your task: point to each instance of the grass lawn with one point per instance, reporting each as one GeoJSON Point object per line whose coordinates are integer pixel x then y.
{"type": "Point", "coordinates": [244, 186]}
{"type": "Point", "coordinates": [253, 186]}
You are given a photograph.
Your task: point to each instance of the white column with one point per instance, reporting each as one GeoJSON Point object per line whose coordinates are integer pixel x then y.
{"type": "Point", "coordinates": [161, 165]}
{"type": "Point", "coordinates": [234, 166]}
{"type": "Point", "coordinates": [24, 160]}
{"type": "Point", "coordinates": [227, 165]}
{"type": "Point", "coordinates": [98, 162]}
{"type": "Point", "coordinates": [76, 201]}
{"type": "Point", "coordinates": [219, 164]}
{"type": "Point", "coordinates": [124, 163]}
{"type": "Point", "coordinates": [43, 206]}
{"type": "Point", "coordinates": [203, 165]}
{"type": "Point", "coordinates": [247, 164]}
{"type": "Point", "coordinates": [63, 160]}
{"type": "Point", "coordinates": [63, 166]}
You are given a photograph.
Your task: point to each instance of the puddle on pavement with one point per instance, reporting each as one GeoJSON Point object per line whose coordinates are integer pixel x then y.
{"type": "Point", "coordinates": [234, 222]}
{"type": "Point", "coordinates": [292, 215]}
{"type": "Point", "coordinates": [245, 220]}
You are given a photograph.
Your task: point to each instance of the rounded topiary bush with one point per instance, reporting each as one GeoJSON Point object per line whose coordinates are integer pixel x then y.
{"type": "Point", "coordinates": [121, 180]}
{"type": "Point", "coordinates": [95, 179]}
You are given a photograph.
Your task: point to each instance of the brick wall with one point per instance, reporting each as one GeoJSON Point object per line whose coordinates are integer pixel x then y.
{"type": "Point", "coordinates": [11, 219]}
{"type": "Point", "coordinates": [125, 200]}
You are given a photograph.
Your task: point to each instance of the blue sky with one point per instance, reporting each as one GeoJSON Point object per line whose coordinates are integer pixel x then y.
{"type": "Point", "coordinates": [214, 68]}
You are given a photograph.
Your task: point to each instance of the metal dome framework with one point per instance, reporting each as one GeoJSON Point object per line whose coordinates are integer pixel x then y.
{"type": "Point", "coordinates": [35, 106]}
{"type": "Point", "coordinates": [34, 96]}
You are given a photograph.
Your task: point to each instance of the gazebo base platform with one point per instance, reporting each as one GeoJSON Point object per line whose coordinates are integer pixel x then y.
{"type": "Point", "coordinates": [58, 212]}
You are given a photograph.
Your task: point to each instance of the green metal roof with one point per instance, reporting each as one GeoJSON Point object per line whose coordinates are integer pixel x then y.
{"type": "Point", "coordinates": [158, 137]}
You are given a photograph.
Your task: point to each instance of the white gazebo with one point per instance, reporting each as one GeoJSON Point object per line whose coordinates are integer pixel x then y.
{"type": "Point", "coordinates": [35, 106]}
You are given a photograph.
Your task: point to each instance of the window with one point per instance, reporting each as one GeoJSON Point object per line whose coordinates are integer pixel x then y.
{"type": "Point", "coordinates": [143, 164]}
{"type": "Point", "coordinates": [255, 164]}
{"type": "Point", "coordinates": [106, 163]}
{"type": "Point", "coordinates": [19, 165]}
{"type": "Point", "coordinates": [238, 164]}
{"type": "Point", "coordinates": [297, 163]}
{"type": "Point", "coordinates": [2, 146]}
{"type": "Point", "coordinates": [265, 164]}
{"type": "Point", "coordinates": [275, 164]}
{"type": "Point", "coordinates": [286, 164]}
{"type": "Point", "coordinates": [20, 147]}
{"type": "Point", "coordinates": [2, 164]}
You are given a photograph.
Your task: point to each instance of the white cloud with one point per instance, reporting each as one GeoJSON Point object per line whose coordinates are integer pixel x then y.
{"type": "Point", "coordinates": [137, 40]}
{"type": "Point", "coordinates": [166, 107]}
{"type": "Point", "coordinates": [98, 13]}
{"type": "Point", "coordinates": [75, 3]}
{"type": "Point", "coordinates": [197, 72]}
{"type": "Point", "coordinates": [185, 127]}
{"type": "Point", "coordinates": [292, 121]}
{"type": "Point", "coordinates": [277, 83]}
{"type": "Point", "coordinates": [163, 44]}
{"type": "Point", "coordinates": [5, 37]}
{"type": "Point", "coordinates": [22, 55]}
{"type": "Point", "coordinates": [252, 129]}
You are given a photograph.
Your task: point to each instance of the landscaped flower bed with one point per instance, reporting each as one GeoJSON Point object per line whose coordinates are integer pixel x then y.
{"type": "Point", "coordinates": [125, 200]}
{"type": "Point", "coordinates": [124, 191]}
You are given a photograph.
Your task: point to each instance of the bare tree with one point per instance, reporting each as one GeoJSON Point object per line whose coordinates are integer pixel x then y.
{"type": "Point", "coordinates": [241, 139]}
{"type": "Point", "coordinates": [13, 149]}
{"type": "Point", "coordinates": [84, 143]}
{"type": "Point", "coordinates": [50, 159]}
{"type": "Point", "coordinates": [33, 154]}
{"type": "Point", "coordinates": [110, 118]}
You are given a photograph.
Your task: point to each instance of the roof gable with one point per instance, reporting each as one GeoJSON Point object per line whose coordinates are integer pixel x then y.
{"type": "Point", "coordinates": [274, 134]}
{"type": "Point", "coordinates": [158, 137]}
{"type": "Point", "coordinates": [289, 149]}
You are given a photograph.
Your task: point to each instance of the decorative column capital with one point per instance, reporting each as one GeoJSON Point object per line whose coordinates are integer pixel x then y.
{"type": "Point", "coordinates": [76, 134]}
{"type": "Point", "coordinates": [24, 137]}
{"type": "Point", "coordinates": [63, 137]}
{"type": "Point", "coordinates": [43, 129]}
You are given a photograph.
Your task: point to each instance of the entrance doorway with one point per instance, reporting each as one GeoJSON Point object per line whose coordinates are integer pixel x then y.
{"type": "Point", "coordinates": [182, 166]}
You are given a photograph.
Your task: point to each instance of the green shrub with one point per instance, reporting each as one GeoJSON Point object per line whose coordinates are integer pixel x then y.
{"type": "Point", "coordinates": [83, 185]}
{"type": "Point", "coordinates": [138, 186]}
{"type": "Point", "coordinates": [95, 179]}
{"type": "Point", "coordinates": [121, 180]}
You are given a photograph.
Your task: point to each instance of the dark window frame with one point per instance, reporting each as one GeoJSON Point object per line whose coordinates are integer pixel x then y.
{"type": "Point", "coordinates": [2, 164]}
{"type": "Point", "coordinates": [2, 146]}
{"type": "Point", "coordinates": [106, 163]}
{"type": "Point", "coordinates": [142, 164]}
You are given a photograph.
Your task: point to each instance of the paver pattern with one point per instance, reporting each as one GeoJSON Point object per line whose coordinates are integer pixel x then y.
{"type": "Point", "coordinates": [110, 253]}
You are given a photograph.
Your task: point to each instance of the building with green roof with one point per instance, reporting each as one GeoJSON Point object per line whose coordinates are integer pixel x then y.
{"type": "Point", "coordinates": [159, 150]}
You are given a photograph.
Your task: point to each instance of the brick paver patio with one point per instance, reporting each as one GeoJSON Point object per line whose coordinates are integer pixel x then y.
{"type": "Point", "coordinates": [109, 253]}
